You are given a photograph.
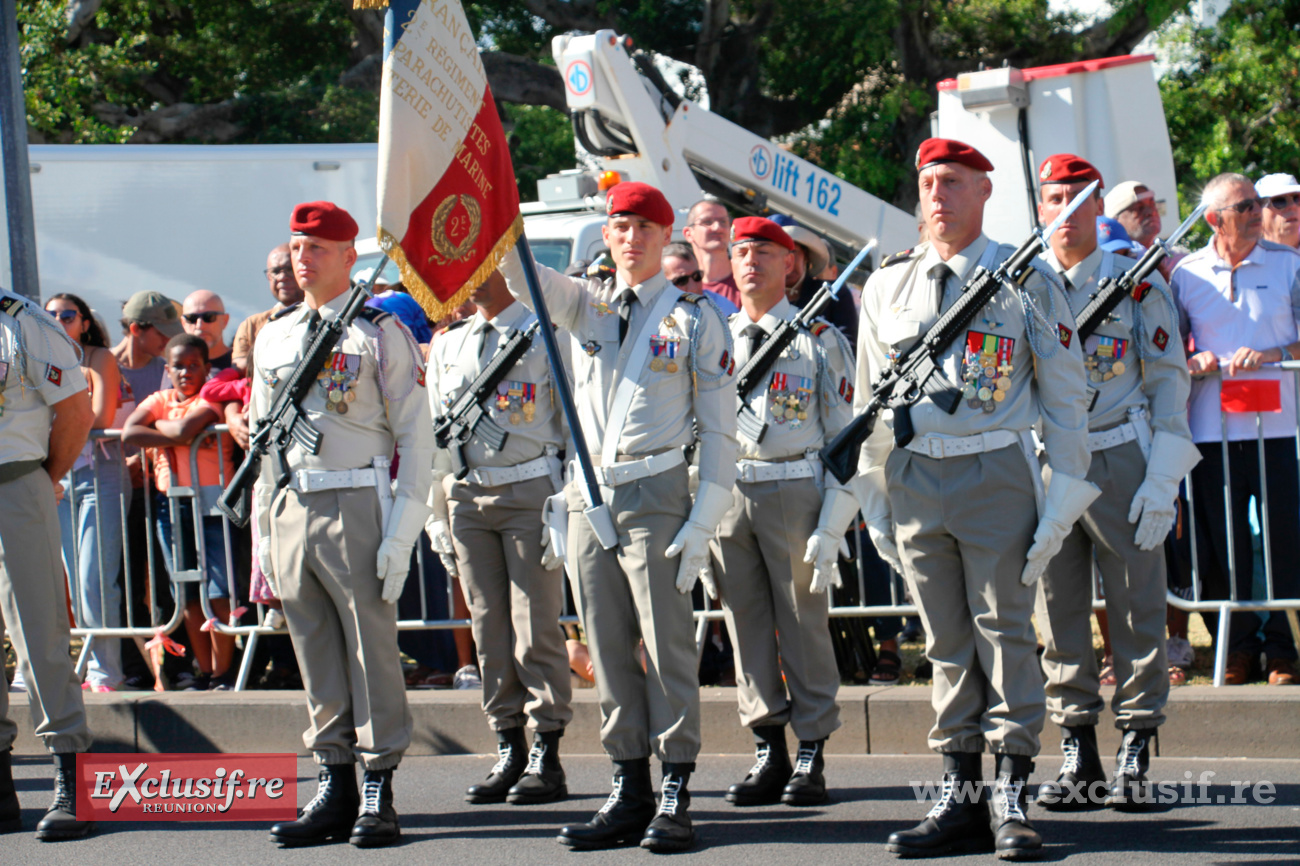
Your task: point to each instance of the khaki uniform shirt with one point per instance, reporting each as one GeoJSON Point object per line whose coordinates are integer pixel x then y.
{"type": "Point", "coordinates": [1123, 369]}
{"type": "Point", "coordinates": [376, 376]}
{"type": "Point", "coordinates": [524, 406]}
{"type": "Point", "coordinates": [898, 308]}
{"type": "Point", "coordinates": [692, 394]}
{"type": "Point", "coordinates": [808, 396]}
{"type": "Point", "coordinates": [39, 367]}
{"type": "Point", "coordinates": [246, 335]}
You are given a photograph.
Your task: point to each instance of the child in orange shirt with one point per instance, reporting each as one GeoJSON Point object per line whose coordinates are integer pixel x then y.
{"type": "Point", "coordinates": [166, 423]}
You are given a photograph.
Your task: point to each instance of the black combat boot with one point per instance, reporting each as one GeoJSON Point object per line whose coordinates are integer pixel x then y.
{"type": "Point", "coordinates": [959, 820]}
{"type": "Point", "coordinates": [1015, 838]}
{"type": "Point", "coordinates": [625, 815]}
{"type": "Point", "coordinates": [770, 772]}
{"type": "Point", "coordinates": [330, 814]}
{"type": "Point", "coordinates": [543, 779]}
{"type": "Point", "coordinates": [60, 822]}
{"type": "Point", "coordinates": [376, 824]}
{"type": "Point", "coordinates": [1129, 790]}
{"type": "Point", "coordinates": [671, 828]}
{"type": "Point", "coordinates": [511, 761]}
{"type": "Point", "coordinates": [807, 787]}
{"type": "Point", "coordinates": [1072, 789]}
{"type": "Point", "coordinates": [11, 814]}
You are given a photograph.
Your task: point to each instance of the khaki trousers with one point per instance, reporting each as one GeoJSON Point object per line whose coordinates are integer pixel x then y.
{"type": "Point", "coordinates": [777, 625]}
{"type": "Point", "coordinates": [1134, 584]}
{"type": "Point", "coordinates": [964, 527]}
{"type": "Point", "coordinates": [629, 594]}
{"type": "Point", "coordinates": [35, 614]}
{"type": "Point", "coordinates": [324, 546]}
{"type": "Point", "coordinates": [514, 603]}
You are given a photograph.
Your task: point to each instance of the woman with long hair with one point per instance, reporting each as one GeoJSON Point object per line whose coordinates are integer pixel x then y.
{"type": "Point", "coordinates": [91, 512]}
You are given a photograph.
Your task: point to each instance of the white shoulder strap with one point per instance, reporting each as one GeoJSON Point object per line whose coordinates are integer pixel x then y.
{"type": "Point", "coordinates": [627, 385]}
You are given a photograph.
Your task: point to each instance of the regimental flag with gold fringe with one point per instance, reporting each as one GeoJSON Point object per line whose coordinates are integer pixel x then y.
{"type": "Point", "coordinates": [448, 202]}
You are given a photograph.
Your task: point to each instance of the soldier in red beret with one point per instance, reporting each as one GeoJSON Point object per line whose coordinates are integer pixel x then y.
{"type": "Point", "coordinates": [957, 509]}
{"type": "Point", "coordinates": [1141, 449]}
{"type": "Point", "coordinates": [654, 375]}
{"type": "Point", "coordinates": [336, 540]}
{"type": "Point", "coordinates": [775, 564]}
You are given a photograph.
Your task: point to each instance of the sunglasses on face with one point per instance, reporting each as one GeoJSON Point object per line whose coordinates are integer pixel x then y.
{"type": "Point", "coordinates": [278, 272]}
{"type": "Point", "coordinates": [1246, 205]}
{"type": "Point", "coordinates": [64, 316]}
{"type": "Point", "coordinates": [208, 318]}
{"type": "Point", "coordinates": [1282, 202]}
{"type": "Point", "coordinates": [687, 278]}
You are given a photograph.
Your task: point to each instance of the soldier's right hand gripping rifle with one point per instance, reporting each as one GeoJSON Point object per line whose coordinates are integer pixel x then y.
{"type": "Point", "coordinates": [466, 416]}
{"type": "Point", "coordinates": [916, 372]}
{"type": "Point", "coordinates": [286, 422]}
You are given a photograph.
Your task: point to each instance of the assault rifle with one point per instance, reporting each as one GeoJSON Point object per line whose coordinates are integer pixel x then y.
{"type": "Point", "coordinates": [466, 416]}
{"type": "Point", "coordinates": [285, 421]}
{"type": "Point", "coordinates": [754, 373]}
{"type": "Point", "coordinates": [916, 373]}
{"type": "Point", "coordinates": [1112, 290]}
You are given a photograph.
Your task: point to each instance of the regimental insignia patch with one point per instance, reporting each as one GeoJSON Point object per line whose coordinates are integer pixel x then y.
{"type": "Point", "coordinates": [419, 378]}
{"type": "Point", "coordinates": [1140, 292]}
{"type": "Point", "coordinates": [1065, 334]}
{"type": "Point", "coordinates": [1160, 338]}
{"type": "Point", "coordinates": [724, 360]}
{"type": "Point", "coordinates": [53, 375]}
{"type": "Point", "coordinates": [846, 390]}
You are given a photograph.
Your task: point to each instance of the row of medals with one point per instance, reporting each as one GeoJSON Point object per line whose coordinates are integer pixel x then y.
{"type": "Point", "coordinates": [338, 389]}
{"type": "Point", "coordinates": [986, 383]}
{"type": "Point", "coordinates": [519, 410]}
{"type": "Point", "coordinates": [1102, 369]}
{"type": "Point", "coordinates": [789, 408]}
{"type": "Point", "coordinates": [658, 364]}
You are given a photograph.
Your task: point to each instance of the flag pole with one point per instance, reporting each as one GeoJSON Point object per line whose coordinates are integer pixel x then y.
{"type": "Point", "coordinates": [597, 512]}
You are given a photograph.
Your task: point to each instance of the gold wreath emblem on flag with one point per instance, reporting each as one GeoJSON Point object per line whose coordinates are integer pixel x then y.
{"type": "Point", "coordinates": [449, 252]}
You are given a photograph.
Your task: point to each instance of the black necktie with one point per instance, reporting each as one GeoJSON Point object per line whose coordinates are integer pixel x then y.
{"type": "Point", "coordinates": [625, 313]}
{"type": "Point", "coordinates": [756, 336]}
{"type": "Point", "coordinates": [938, 278]}
{"type": "Point", "coordinates": [484, 337]}
{"type": "Point", "coordinates": [1065, 281]}
{"type": "Point", "coordinates": [313, 325]}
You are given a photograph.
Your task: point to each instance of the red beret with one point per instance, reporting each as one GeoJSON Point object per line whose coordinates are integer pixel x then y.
{"type": "Point", "coordinates": [934, 151]}
{"type": "Point", "coordinates": [634, 197]}
{"type": "Point", "coordinates": [760, 229]}
{"type": "Point", "coordinates": [323, 219]}
{"type": "Point", "coordinates": [1067, 168]}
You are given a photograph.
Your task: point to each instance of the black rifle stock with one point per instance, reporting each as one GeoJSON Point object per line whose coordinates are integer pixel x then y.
{"type": "Point", "coordinates": [916, 373]}
{"type": "Point", "coordinates": [285, 419]}
{"type": "Point", "coordinates": [466, 416]}
{"type": "Point", "coordinates": [755, 371]}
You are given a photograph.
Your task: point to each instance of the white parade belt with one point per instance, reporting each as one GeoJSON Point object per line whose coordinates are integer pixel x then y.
{"type": "Point", "coordinates": [636, 469]}
{"type": "Point", "coordinates": [1100, 441]}
{"type": "Point", "coordinates": [313, 480]}
{"type": "Point", "coordinates": [939, 447]}
{"type": "Point", "coordinates": [497, 476]}
{"type": "Point", "coordinates": [758, 470]}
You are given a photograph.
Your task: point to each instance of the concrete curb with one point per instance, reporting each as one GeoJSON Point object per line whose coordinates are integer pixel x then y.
{"type": "Point", "coordinates": [1240, 721]}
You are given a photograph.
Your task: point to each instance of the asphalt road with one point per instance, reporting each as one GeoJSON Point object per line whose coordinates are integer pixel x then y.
{"type": "Point", "coordinates": [872, 797]}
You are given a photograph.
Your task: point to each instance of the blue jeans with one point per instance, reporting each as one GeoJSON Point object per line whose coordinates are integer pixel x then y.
{"type": "Point", "coordinates": [214, 543]}
{"type": "Point", "coordinates": [94, 566]}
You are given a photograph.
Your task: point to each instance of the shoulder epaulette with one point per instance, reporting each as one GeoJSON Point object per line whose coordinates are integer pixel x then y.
{"type": "Point", "coordinates": [897, 257]}
{"type": "Point", "coordinates": [286, 311]}
{"type": "Point", "coordinates": [818, 326]}
{"type": "Point", "coordinates": [12, 304]}
{"type": "Point", "coordinates": [691, 298]}
{"type": "Point", "coordinates": [374, 315]}
{"type": "Point", "coordinates": [459, 323]}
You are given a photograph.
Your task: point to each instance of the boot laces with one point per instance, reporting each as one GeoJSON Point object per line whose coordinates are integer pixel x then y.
{"type": "Point", "coordinates": [764, 757]}
{"type": "Point", "coordinates": [804, 760]}
{"type": "Point", "coordinates": [1009, 795]}
{"type": "Point", "coordinates": [1129, 765]}
{"type": "Point", "coordinates": [504, 752]}
{"type": "Point", "coordinates": [945, 797]}
{"type": "Point", "coordinates": [614, 796]}
{"type": "Point", "coordinates": [1070, 745]}
{"type": "Point", "coordinates": [370, 792]}
{"type": "Point", "coordinates": [64, 799]}
{"type": "Point", "coordinates": [322, 794]}
{"type": "Point", "coordinates": [668, 800]}
{"type": "Point", "coordinates": [535, 755]}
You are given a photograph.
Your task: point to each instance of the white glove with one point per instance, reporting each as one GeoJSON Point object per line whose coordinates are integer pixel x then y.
{"type": "Point", "coordinates": [440, 541]}
{"type": "Point", "coordinates": [264, 559]}
{"type": "Point", "coordinates": [393, 563]}
{"type": "Point", "coordinates": [555, 531]}
{"type": "Point", "coordinates": [873, 498]}
{"type": "Point", "coordinates": [839, 507]}
{"type": "Point", "coordinates": [1067, 499]}
{"type": "Point", "coordinates": [1172, 457]}
{"type": "Point", "coordinates": [692, 541]}
{"type": "Point", "coordinates": [550, 560]}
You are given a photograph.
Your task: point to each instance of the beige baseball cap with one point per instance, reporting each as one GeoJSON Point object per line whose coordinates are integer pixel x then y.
{"type": "Point", "coordinates": [155, 309]}
{"type": "Point", "coordinates": [1125, 195]}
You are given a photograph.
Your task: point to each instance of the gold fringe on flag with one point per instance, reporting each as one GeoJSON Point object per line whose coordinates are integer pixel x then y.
{"type": "Point", "coordinates": [415, 285]}
{"type": "Point", "coordinates": [369, 4]}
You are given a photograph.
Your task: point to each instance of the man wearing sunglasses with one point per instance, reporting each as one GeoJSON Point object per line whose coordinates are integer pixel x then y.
{"type": "Point", "coordinates": [683, 271]}
{"type": "Point", "coordinates": [204, 315]}
{"type": "Point", "coordinates": [1238, 298]}
{"type": "Point", "coordinates": [1281, 196]}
